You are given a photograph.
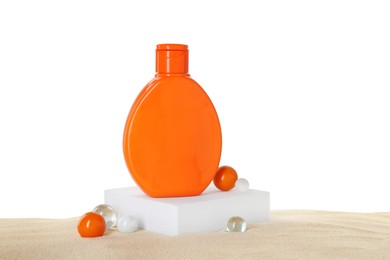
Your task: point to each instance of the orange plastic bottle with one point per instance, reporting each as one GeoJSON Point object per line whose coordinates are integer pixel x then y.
{"type": "Point", "coordinates": [172, 139]}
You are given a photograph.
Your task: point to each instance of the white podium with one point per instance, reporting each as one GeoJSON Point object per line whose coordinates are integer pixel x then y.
{"type": "Point", "coordinates": [175, 216]}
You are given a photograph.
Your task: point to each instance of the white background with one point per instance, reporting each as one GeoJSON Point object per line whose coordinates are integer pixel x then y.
{"type": "Point", "coordinates": [301, 89]}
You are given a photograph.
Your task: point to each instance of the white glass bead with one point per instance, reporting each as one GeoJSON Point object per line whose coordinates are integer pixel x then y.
{"type": "Point", "coordinates": [127, 224]}
{"type": "Point", "coordinates": [108, 213]}
{"type": "Point", "coordinates": [236, 224]}
{"type": "Point", "coordinates": [242, 184]}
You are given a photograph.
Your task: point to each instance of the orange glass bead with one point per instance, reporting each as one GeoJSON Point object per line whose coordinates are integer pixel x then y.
{"type": "Point", "coordinates": [225, 178]}
{"type": "Point", "coordinates": [91, 224]}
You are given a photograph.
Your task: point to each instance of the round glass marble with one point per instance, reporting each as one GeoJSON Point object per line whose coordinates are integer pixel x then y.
{"type": "Point", "coordinates": [108, 213]}
{"type": "Point", "coordinates": [242, 184]}
{"type": "Point", "coordinates": [127, 224]}
{"type": "Point", "coordinates": [236, 224]}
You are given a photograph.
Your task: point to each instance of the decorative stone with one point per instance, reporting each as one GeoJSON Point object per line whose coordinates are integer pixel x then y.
{"type": "Point", "coordinates": [108, 213]}
{"type": "Point", "coordinates": [236, 224]}
{"type": "Point", "coordinates": [208, 212]}
{"type": "Point", "coordinates": [242, 184]}
{"type": "Point", "coordinates": [127, 224]}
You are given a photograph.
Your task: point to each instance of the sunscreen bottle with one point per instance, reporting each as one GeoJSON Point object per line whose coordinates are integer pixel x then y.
{"type": "Point", "coordinates": [172, 140]}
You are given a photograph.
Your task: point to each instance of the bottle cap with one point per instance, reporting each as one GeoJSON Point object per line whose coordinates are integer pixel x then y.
{"type": "Point", "coordinates": [172, 58]}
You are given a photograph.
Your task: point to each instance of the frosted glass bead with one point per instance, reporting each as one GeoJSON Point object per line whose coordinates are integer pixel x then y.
{"type": "Point", "coordinates": [242, 184]}
{"type": "Point", "coordinates": [236, 224]}
{"type": "Point", "coordinates": [127, 224]}
{"type": "Point", "coordinates": [108, 213]}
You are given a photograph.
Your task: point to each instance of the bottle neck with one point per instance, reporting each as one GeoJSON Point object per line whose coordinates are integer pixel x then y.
{"type": "Point", "coordinates": [172, 60]}
{"type": "Point", "coordinates": [172, 74]}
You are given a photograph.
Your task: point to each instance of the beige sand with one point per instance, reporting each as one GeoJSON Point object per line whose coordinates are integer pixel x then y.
{"type": "Point", "coordinates": [288, 235]}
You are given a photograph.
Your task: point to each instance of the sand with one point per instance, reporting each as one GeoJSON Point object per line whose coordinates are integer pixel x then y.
{"type": "Point", "coordinates": [287, 235]}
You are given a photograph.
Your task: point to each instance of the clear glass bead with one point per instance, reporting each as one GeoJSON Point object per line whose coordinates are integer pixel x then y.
{"type": "Point", "coordinates": [242, 184]}
{"type": "Point", "coordinates": [108, 213]}
{"type": "Point", "coordinates": [236, 224]}
{"type": "Point", "coordinates": [127, 224]}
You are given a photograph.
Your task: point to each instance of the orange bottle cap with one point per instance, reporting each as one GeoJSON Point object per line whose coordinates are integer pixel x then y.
{"type": "Point", "coordinates": [172, 59]}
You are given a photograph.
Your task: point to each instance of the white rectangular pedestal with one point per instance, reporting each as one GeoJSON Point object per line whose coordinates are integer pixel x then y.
{"type": "Point", "coordinates": [174, 216]}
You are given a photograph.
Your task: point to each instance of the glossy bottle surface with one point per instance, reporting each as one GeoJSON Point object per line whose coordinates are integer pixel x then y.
{"type": "Point", "coordinates": [172, 140]}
